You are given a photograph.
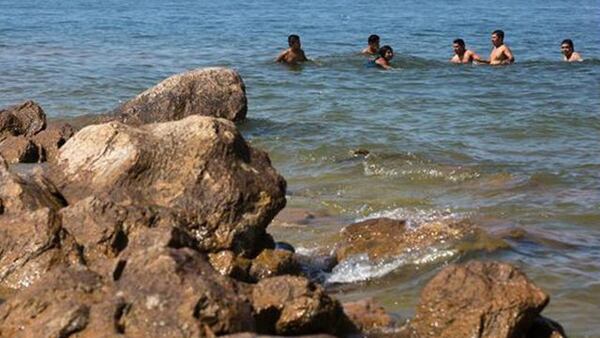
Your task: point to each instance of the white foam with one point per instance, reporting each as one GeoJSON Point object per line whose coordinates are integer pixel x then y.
{"type": "Point", "coordinates": [360, 268]}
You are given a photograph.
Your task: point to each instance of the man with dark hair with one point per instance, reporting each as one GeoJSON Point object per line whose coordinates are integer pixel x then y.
{"type": "Point", "coordinates": [568, 50]}
{"type": "Point", "coordinates": [462, 54]}
{"type": "Point", "coordinates": [373, 47]}
{"type": "Point", "coordinates": [501, 54]}
{"type": "Point", "coordinates": [294, 54]}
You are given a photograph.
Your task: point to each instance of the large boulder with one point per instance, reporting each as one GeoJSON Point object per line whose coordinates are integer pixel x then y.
{"type": "Point", "coordinates": [385, 238]}
{"type": "Point", "coordinates": [27, 118]}
{"type": "Point", "coordinates": [200, 167]}
{"type": "Point", "coordinates": [289, 305]}
{"type": "Point", "coordinates": [216, 92]}
{"type": "Point", "coordinates": [478, 299]}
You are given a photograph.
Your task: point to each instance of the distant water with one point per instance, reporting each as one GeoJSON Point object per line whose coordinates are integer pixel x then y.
{"type": "Point", "coordinates": [507, 146]}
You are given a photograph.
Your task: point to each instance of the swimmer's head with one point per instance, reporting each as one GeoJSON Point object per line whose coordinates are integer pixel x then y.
{"type": "Point", "coordinates": [374, 41]}
{"type": "Point", "coordinates": [294, 41]}
{"type": "Point", "coordinates": [386, 52]}
{"type": "Point", "coordinates": [497, 38]}
{"type": "Point", "coordinates": [459, 46]}
{"type": "Point", "coordinates": [566, 47]}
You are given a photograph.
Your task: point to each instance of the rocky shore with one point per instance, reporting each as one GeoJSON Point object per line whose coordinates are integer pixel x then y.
{"type": "Point", "coordinates": [152, 220]}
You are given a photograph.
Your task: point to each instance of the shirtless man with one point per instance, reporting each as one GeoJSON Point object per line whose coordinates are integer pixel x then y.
{"type": "Point", "coordinates": [462, 54]}
{"type": "Point", "coordinates": [501, 54]}
{"type": "Point", "coordinates": [373, 47]}
{"type": "Point", "coordinates": [294, 54]}
{"type": "Point", "coordinates": [569, 53]}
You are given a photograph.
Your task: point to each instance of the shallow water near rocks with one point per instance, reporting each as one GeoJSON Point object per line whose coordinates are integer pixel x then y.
{"type": "Point", "coordinates": [508, 147]}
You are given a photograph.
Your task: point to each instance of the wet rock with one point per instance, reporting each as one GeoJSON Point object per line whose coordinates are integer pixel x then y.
{"type": "Point", "coordinates": [199, 167]}
{"type": "Point", "coordinates": [64, 303]}
{"type": "Point", "coordinates": [27, 118]}
{"type": "Point", "coordinates": [385, 238]}
{"type": "Point", "coordinates": [270, 263]}
{"type": "Point", "coordinates": [543, 327]}
{"type": "Point", "coordinates": [49, 140]}
{"type": "Point", "coordinates": [284, 246]}
{"type": "Point", "coordinates": [19, 149]}
{"type": "Point", "coordinates": [175, 292]}
{"type": "Point", "coordinates": [289, 305]}
{"type": "Point", "coordinates": [478, 299]}
{"type": "Point", "coordinates": [368, 316]}
{"type": "Point", "coordinates": [216, 92]}
{"type": "Point", "coordinates": [227, 263]}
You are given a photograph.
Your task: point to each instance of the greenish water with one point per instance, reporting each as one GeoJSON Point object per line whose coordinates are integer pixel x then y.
{"type": "Point", "coordinates": [506, 147]}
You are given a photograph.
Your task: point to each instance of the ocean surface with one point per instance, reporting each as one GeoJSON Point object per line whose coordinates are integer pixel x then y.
{"type": "Point", "coordinates": [506, 147]}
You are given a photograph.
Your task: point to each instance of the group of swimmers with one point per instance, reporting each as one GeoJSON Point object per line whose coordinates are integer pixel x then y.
{"type": "Point", "coordinates": [500, 54]}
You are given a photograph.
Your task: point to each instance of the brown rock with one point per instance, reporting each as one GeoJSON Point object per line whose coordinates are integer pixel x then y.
{"type": "Point", "coordinates": [32, 244]}
{"type": "Point", "coordinates": [32, 240]}
{"type": "Point", "coordinates": [270, 263]}
{"type": "Point", "coordinates": [21, 194]}
{"type": "Point", "coordinates": [200, 167]}
{"type": "Point", "coordinates": [18, 149]}
{"type": "Point", "coordinates": [227, 263]}
{"type": "Point", "coordinates": [27, 118]}
{"type": "Point", "coordinates": [385, 238]}
{"type": "Point", "coordinates": [216, 92]}
{"type": "Point", "coordinates": [289, 305]}
{"type": "Point", "coordinates": [478, 299]}
{"type": "Point", "coordinates": [175, 292]}
{"type": "Point", "coordinates": [64, 303]}
{"type": "Point", "coordinates": [105, 229]}
{"type": "Point", "coordinates": [51, 139]}
{"type": "Point", "coordinates": [368, 316]}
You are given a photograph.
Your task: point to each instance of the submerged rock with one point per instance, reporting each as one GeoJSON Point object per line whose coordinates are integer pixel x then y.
{"type": "Point", "coordinates": [216, 92]}
{"type": "Point", "coordinates": [288, 305]}
{"type": "Point", "coordinates": [27, 119]}
{"type": "Point", "coordinates": [385, 238]}
{"type": "Point", "coordinates": [200, 167]}
{"type": "Point", "coordinates": [478, 299]}
{"type": "Point", "coordinates": [368, 316]}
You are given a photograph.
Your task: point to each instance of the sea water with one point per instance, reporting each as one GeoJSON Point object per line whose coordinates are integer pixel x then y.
{"type": "Point", "coordinates": [507, 147]}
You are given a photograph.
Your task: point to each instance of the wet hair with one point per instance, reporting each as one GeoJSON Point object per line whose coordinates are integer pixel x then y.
{"type": "Point", "coordinates": [568, 42]}
{"type": "Point", "coordinates": [293, 38]}
{"type": "Point", "coordinates": [384, 49]}
{"type": "Point", "coordinates": [373, 38]}
{"type": "Point", "coordinates": [499, 33]}
{"type": "Point", "coordinates": [459, 42]}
